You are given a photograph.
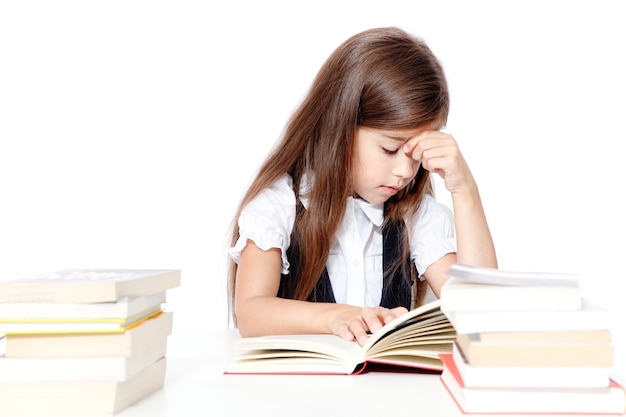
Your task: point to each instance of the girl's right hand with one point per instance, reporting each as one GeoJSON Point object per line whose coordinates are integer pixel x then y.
{"type": "Point", "coordinates": [355, 323]}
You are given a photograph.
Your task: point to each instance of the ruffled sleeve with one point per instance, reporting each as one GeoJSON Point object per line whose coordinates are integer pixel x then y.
{"type": "Point", "coordinates": [432, 234]}
{"type": "Point", "coordinates": [268, 221]}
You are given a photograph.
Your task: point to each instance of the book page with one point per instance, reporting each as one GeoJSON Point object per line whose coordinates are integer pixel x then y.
{"type": "Point", "coordinates": [327, 346]}
{"type": "Point", "coordinates": [416, 314]}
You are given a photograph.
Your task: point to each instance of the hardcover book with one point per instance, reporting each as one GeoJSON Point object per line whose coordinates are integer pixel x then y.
{"type": "Point", "coordinates": [525, 400]}
{"type": "Point", "coordinates": [413, 340]}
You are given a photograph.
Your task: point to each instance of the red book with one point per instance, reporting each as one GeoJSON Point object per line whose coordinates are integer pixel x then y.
{"type": "Point", "coordinates": [524, 400]}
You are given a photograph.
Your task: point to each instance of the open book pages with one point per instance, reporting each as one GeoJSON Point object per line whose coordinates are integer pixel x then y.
{"type": "Point", "coordinates": [414, 340]}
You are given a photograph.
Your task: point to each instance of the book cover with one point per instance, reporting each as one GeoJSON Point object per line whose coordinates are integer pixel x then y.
{"type": "Point", "coordinates": [524, 400]}
{"type": "Point", "coordinates": [471, 288]}
{"type": "Point", "coordinates": [481, 353]}
{"type": "Point", "coordinates": [119, 309]}
{"type": "Point", "coordinates": [413, 340]}
{"type": "Point", "coordinates": [88, 285]}
{"type": "Point", "coordinates": [527, 376]}
{"type": "Point", "coordinates": [589, 317]}
{"type": "Point", "coordinates": [80, 398]}
{"type": "Point", "coordinates": [138, 339]}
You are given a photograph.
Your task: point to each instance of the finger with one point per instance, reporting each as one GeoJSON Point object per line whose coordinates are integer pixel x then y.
{"type": "Point", "coordinates": [343, 331]}
{"type": "Point", "coordinates": [374, 317]}
{"type": "Point", "coordinates": [423, 147]}
{"type": "Point", "coordinates": [359, 331]}
{"type": "Point", "coordinates": [395, 313]}
{"type": "Point", "coordinates": [432, 136]}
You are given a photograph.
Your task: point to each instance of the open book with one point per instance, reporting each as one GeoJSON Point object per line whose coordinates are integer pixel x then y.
{"type": "Point", "coordinates": [413, 340]}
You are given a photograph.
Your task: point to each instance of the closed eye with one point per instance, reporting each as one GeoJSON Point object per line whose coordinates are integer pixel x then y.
{"type": "Point", "coordinates": [390, 151]}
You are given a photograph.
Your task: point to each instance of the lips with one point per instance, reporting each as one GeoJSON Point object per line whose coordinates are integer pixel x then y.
{"type": "Point", "coordinates": [390, 190]}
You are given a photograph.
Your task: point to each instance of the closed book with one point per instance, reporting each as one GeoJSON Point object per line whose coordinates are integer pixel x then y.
{"type": "Point", "coordinates": [457, 294]}
{"type": "Point", "coordinates": [524, 400]}
{"type": "Point", "coordinates": [113, 310]}
{"type": "Point", "coordinates": [88, 285]}
{"type": "Point", "coordinates": [138, 339]}
{"type": "Point", "coordinates": [494, 276]}
{"type": "Point", "coordinates": [528, 376]}
{"type": "Point", "coordinates": [529, 353]}
{"type": "Point", "coordinates": [72, 369]}
{"type": "Point", "coordinates": [69, 325]}
{"type": "Point", "coordinates": [471, 288]}
{"type": "Point", "coordinates": [79, 398]}
{"type": "Point", "coordinates": [552, 336]}
{"type": "Point", "coordinates": [589, 317]}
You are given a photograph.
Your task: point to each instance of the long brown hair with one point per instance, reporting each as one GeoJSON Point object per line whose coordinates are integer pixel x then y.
{"type": "Point", "coordinates": [381, 78]}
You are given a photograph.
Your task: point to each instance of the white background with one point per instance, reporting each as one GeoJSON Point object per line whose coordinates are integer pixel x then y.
{"type": "Point", "coordinates": [130, 129]}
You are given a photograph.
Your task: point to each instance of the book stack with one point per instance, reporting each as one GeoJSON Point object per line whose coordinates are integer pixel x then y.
{"type": "Point", "coordinates": [527, 343]}
{"type": "Point", "coordinates": [83, 342]}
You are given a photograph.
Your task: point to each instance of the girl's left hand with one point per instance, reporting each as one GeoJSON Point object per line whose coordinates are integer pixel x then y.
{"type": "Point", "coordinates": [439, 153]}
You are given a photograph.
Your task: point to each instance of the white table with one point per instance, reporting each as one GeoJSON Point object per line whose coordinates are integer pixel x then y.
{"type": "Point", "coordinates": [196, 386]}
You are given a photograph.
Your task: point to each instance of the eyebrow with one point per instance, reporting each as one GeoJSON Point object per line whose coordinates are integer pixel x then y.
{"type": "Point", "coordinates": [402, 138]}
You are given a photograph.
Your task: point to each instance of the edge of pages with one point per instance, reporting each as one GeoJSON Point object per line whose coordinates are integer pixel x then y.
{"type": "Point", "coordinates": [494, 276]}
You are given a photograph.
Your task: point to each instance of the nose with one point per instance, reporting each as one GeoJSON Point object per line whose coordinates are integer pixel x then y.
{"type": "Point", "coordinates": [405, 166]}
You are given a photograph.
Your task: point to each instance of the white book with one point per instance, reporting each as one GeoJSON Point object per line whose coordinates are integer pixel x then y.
{"type": "Point", "coordinates": [479, 288]}
{"type": "Point", "coordinates": [589, 317]}
{"type": "Point", "coordinates": [79, 398]}
{"type": "Point", "coordinates": [494, 276]}
{"type": "Point", "coordinates": [88, 285]}
{"type": "Point", "coordinates": [120, 309]}
{"type": "Point", "coordinates": [71, 369]}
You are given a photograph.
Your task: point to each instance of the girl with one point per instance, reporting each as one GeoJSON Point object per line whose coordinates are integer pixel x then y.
{"type": "Point", "coordinates": [339, 232]}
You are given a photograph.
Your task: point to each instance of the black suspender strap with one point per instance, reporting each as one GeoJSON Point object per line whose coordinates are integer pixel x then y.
{"type": "Point", "coordinates": [396, 283]}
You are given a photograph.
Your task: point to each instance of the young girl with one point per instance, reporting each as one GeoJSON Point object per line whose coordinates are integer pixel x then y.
{"type": "Point", "coordinates": [339, 232]}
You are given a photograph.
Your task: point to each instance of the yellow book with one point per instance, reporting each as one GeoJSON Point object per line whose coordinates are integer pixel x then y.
{"type": "Point", "coordinates": [51, 326]}
{"type": "Point", "coordinates": [138, 338]}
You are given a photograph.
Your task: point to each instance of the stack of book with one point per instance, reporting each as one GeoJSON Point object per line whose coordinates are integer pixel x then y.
{"type": "Point", "coordinates": [83, 342]}
{"type": "Point", "coordinates": [527, 343]}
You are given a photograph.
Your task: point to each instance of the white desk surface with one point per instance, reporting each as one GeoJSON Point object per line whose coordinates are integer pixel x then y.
{"type": "Point", "coordinates": [195, 385]}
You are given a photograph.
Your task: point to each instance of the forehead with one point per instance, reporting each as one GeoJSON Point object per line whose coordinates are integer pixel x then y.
{"type": "Point", "coordinates": [401, 134]}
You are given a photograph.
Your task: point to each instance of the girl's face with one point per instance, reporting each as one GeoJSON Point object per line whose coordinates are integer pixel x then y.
{"type": "Point", "coordinates": [381, 167]}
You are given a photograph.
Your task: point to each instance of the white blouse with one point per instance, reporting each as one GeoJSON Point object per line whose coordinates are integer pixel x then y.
{"type": "Point", "coordinates": [356, 254]}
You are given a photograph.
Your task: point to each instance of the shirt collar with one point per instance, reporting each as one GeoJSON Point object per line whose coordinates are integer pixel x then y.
{"type": "Point", "coordinates": [374, 212]}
